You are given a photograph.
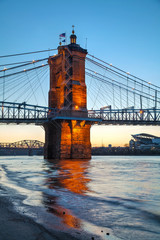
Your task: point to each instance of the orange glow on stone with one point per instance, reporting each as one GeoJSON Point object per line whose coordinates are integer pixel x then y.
{"type": "Point", "coordinates": [72, 139]}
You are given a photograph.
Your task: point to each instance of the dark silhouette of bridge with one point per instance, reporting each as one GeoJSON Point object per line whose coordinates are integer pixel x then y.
{"type": "Point", "coordinates": [23, 147]}
{"type": "Point", "coordinates": [23, 144]}
{"type": "Point", "coordinates": [121, 98]}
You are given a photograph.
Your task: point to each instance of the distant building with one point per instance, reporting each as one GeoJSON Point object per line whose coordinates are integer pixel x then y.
{"type": "Point", "coordinates": [132, 144]}
{"type": "Point", "coordinates": [144, 141]}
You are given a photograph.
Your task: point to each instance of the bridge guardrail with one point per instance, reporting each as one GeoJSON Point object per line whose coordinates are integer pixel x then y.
{"type": "Point", "coordinates": [148, 115]}
{"type": "Point", "coordinates": [22, 112]}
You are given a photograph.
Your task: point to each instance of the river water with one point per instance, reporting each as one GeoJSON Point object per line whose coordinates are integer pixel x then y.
{"type": "Point", "coordinates": [110, 197]}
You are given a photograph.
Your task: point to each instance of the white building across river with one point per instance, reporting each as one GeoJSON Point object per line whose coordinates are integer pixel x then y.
{"type": "Point", "coordinates": [144, 141]}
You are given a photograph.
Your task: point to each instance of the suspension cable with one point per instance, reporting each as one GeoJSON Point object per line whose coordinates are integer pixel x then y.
{"type": "Point", "coordinates": [122, 84]}
{"type": "Point", "coordinates": [22, 65]}
{"type": "Point", "coordinates": [122, 75]}
{"type": "Point", "coordinates": [121, 70]}
{"type": "Point", "coordinates": [41, 86]}
{"type": "Point", "coordinates": [105, 81]}
{"type": "Point", "coordinates": [15, 63]}
{"type": "Point", "coordinates": [31, 87]}
{"type": "Point", "coordinates": [25, 70]}
{"type": "Point", "coordinates": [18, 54]}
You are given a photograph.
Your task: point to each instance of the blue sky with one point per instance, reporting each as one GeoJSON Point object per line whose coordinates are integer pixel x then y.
{"type": "Point", "coordinates": [125, 33]}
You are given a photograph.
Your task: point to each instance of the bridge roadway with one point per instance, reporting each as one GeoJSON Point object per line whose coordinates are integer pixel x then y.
{"type": "Point", "coordinates": [18, 113]}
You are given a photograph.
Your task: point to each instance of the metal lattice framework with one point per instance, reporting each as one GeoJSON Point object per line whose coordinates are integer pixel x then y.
{"type": "Point", "coordinates": [67, 62]}
{"type": "Point", "coordinates": [127, 116]}
{"type": "Point", "coordinates": [24, 113]}
{"type": "Point", "coordinates": [29, 144]}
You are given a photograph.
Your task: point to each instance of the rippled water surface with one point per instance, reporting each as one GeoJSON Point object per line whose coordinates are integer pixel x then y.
{"type": "Point", "coordinates": [119, 195]}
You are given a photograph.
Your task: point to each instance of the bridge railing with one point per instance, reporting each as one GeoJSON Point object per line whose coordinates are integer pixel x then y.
{"type": "Point", "coordinates": [22, 111]}
{"type": "Point", "coordinates": [126, 115]}
{"type": "Point", "coordinates": [26, 113]}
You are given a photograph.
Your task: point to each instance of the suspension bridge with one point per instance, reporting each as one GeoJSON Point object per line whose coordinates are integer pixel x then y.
{"type": "Point", "coordinates": [82, 88]}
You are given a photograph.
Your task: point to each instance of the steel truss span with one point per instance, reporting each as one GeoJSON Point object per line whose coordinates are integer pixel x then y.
{"type": "Point", "coordinates": [127, 116]}
{"type": "Point", "coordinates": [30, 144]}
{"type": "Point", "coordinates": [22, 113]}
{"type": "Point", "coordinates": [31, 114]}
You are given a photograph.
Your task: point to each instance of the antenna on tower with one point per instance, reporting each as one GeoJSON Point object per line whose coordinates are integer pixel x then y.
{"type": "Point", "coordinates": [73, 29]}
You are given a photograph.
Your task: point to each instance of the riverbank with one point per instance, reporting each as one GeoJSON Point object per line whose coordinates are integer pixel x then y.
{"type": "Point", "coordinates": [14, 226]}
{"type": "Point", "coordinates": [121, 151]}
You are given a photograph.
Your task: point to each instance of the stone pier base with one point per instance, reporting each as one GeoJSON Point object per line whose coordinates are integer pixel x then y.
{"type": "Point", "coordinates": [67, 139]}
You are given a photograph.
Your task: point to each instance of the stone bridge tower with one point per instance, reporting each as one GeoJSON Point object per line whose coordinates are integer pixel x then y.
{"type": "Point", "coordinates": [68, 135]}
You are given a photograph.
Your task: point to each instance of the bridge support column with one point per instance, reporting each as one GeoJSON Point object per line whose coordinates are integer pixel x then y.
{"type": "Point", "coordinates": [68, 130]}
{"type": "Point", "coordinates": [67, 140]}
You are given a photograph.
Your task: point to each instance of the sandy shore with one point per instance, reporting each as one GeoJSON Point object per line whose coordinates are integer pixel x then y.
{"type": "Point", "coordinates": [14, 226]}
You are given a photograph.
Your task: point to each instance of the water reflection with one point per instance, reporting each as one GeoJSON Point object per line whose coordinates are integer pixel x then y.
{"type": "Point", "coordinates": [66, 175]}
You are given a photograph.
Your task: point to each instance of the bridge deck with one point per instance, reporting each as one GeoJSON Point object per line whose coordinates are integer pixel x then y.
{"type": "Point", "coordinates": [21, 113]}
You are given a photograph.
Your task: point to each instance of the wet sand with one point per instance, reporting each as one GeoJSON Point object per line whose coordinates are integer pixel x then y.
{"type": "Point", "coordinates": [14, 226]}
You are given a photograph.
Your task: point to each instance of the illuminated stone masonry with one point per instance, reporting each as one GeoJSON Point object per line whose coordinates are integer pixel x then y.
{"type": "Point", "coordinates": [68, 137]}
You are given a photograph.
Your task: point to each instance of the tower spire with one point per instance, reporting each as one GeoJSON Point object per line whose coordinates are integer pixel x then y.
{"type": "Point", "coordinates": [73, 29]}
{"type": "Point", "coordinates": [73, 37]}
